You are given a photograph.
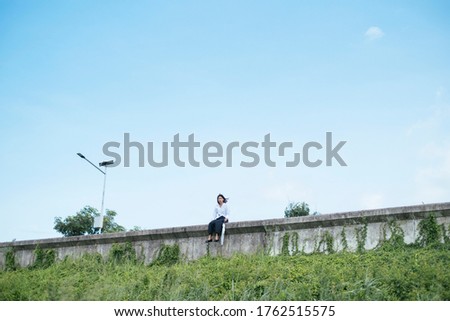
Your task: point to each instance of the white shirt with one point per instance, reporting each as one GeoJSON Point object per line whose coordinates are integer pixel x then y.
{"type": "Point", "coordinates": [221, 211]}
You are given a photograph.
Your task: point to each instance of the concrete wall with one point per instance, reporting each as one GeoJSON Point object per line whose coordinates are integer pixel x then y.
{"type": "Point", "coordinates": [306, 234]}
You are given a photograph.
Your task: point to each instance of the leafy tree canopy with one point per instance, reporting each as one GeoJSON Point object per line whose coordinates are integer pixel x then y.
{"type": "Point", "coordinates": [82, 223]}
{"type": "Point", "coordinates": [296, 209]}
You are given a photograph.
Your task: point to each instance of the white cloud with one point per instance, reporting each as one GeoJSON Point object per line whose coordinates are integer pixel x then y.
{"type": "Point", "coordinates": [374, 33]}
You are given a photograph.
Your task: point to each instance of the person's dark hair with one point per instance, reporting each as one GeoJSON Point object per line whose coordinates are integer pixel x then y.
{"type": "Point", "coordinates": [224, 198]}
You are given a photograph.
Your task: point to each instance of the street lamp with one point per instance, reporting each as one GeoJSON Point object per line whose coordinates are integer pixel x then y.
{"type": "Point", "coordinates": [98, 221]}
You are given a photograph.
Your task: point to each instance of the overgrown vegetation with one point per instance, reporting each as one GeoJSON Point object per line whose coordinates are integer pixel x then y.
{"type": "Point", "coordinates": [168, 255]}
{"type": "Point", "coordinates": [122, 253]}
{"type": "Point", "coordinates": [403, 274]}
{"type": "Point", "coordinates": [361, 237]}
{"type": "Point", "coordinates": [429, 231]}
{"type": "Point", "coordinates": [43, 258]}
{"type": "Point", "coordinates": [326, 242]}
{"type": "Point", "coordinates": [393, 271]}
{"type": "Point", "coordinates": [344, 242]}
{"type": "Point", "coordinates": [396, 240]}
{"type": "Point", "coordinates": [10, 258]}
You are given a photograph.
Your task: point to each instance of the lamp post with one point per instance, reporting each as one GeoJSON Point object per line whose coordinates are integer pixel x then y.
{"type": "Point", "coordinates": [98, 221]}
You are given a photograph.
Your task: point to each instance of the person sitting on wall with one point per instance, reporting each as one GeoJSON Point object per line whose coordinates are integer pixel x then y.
{"type": "Point", "coordinates": [220, 216]}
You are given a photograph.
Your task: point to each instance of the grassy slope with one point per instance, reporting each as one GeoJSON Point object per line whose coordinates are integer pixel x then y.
{"type": "Point", "coordinates": [401, 274]}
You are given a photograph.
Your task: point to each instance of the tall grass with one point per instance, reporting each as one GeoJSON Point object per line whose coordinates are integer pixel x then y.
{"type": "Point", "coordinates": [393, 271]}
{"type": "Point", "coordinates": [400, 273]}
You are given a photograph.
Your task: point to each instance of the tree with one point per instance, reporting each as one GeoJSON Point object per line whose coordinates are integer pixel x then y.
{"type": "Point", "coordinates": [83, 222]}
{"type": "Point", "coordinates": [109, 226]}
{"type": "Point", "coordinates": [296, 209]}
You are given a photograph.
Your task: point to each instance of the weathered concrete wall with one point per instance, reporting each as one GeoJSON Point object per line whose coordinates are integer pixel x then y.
{"type": "Point", "coordinates": [305, 234]}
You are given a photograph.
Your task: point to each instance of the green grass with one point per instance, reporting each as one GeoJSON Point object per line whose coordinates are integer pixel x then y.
{"type": "Point", "coordinates": [406, 273]}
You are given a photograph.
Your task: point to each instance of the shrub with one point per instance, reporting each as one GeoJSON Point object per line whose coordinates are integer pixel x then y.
{"type": "Point", "coordinates": [296, 209]}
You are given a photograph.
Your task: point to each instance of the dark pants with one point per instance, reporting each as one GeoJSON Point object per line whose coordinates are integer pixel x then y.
{"type": "Point", "coordinates": [215, 226]}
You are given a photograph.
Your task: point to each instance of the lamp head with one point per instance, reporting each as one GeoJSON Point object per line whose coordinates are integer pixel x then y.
{"type": "Point", "coordinates": [106, 163]}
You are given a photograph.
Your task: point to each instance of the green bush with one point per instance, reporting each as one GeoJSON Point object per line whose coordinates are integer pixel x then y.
{"type": "Point", "coordinates": [296, 209]}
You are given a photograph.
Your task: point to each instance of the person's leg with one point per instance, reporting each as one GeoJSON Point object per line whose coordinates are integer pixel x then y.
{"type": "Point", "coordinates": [211, 227]}
{"type": "Point", "coordinates": [218, 228]}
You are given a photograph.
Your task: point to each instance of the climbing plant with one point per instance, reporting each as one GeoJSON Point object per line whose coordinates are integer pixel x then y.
{"type": "Point", "coordinates": [429, 231]}
{"type": "Point", "coordinates": [10, 260]}
{"type": "Point", "coordinates": [344, 240]}
{"type": "Point", "coordinates": [168, 255]}
{"type": "Point", "coordinates": [122, 253]}
{"type": "Point", "coordinates": [43, 258]}
{"type": "Point", "coordinates": [361, 237]}
{"type": "Point", "coordinates": [396, 238]}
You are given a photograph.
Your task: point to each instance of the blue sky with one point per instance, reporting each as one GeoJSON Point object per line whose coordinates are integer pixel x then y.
{"type": "Point", "coordinates": [75, 75]}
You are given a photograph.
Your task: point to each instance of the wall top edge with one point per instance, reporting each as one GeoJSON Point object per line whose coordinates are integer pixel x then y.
{"type": "Point", "coordinates": [195, 230]}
